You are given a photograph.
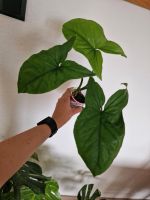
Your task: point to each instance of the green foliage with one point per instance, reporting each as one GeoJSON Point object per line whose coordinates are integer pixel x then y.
{"type": "Point", "coordinates": [51, 192]}
{"type": "Point", "coordinates": [99, 132]}
{"type": "Point", "coordinates": [90, 39]}
{"type": "Point", "coordinates": [47, 70]}
{"type": "Point", "coordinates": [85, 193]}
{"type": "Point", "coordinates": [29, 183]}
{"type": "Point", "coordinates": [99, 129]}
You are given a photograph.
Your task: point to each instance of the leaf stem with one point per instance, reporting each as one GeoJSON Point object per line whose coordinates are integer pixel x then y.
{"type": "Point", "coordinates": [78, 89]}
{"type": "Point", "coordinates": [83, 88]}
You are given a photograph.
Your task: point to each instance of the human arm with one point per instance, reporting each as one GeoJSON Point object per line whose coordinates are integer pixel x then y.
{"type": "Point", "coordinates": [15, 151]}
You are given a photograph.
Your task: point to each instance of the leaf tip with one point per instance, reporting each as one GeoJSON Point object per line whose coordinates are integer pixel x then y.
{"type": "Point", "coordinates": [100, 77]}
{"type": "Point", "coordinates": [124, 55]}
{"type": "Point", "coordinates": [19, 90]}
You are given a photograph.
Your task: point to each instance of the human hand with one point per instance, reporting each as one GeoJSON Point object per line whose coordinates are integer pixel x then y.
{"type": "Point", "coordinates": [63, 111]}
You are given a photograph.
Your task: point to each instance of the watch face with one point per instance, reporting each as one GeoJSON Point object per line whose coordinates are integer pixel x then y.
{"type": "Point", "coordinates": [13, 8]}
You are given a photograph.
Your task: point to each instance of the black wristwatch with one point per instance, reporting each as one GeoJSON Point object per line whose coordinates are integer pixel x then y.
{"type": "Point", "coordinates": [51, 123]}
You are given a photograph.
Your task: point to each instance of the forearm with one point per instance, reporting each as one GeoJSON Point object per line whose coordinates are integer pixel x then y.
{"type": "Point", "coordinates": [15, 151]}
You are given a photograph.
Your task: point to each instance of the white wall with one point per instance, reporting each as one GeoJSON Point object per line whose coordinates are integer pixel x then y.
{"type": "Point", "coordinates": [124, 23]}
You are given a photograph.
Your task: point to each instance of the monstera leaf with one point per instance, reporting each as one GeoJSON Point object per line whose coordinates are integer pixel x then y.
{"type": "Point", "coordinates": [31, 176]}
{"type": "Point", "coordinates": [29, 183]}
{"type": "Point", "coordinates": [48, 69]}
{"type": "Point", "coordinates": [90, 39]}
{"type": "Point", "coordinates": [51, 192]}
{"type": "Point", "coordinates": [99, 131]}
{"type": "Point", "coordinates": [86, 193]}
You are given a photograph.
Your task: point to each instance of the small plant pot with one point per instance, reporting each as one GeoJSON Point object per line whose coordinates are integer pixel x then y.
{"type": "Point", "coordinates": [77, 99]}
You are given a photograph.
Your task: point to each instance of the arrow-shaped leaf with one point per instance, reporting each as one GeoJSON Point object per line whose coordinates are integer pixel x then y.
{"type": "Point", "coordinates": [99, 133]}
{"type": "Point", "coordinates": [48, 69]}
{"type": "Point", "coordinates": [90, 40]}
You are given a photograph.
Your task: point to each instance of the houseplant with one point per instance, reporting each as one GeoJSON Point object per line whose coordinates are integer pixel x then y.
{"type": "Point", "coordinates": [29, 183]}
{"type": "Point", "coordinates": [100, 140]}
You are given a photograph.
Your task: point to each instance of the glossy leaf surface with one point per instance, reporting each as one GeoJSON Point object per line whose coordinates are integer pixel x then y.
{"type": "Point", "coordinates": [90, 39]}
{"type": "Point", "coordinates": [99, 132]}
{"type": "Point", "coordinates": [48, 69]}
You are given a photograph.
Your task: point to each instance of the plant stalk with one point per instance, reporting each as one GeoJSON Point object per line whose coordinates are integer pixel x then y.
{"type": "Point", "coordinates": [78, 89]}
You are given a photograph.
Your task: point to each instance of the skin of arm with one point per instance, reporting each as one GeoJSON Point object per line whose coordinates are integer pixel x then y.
{"type": "Point", "coordinates": [15, 151]}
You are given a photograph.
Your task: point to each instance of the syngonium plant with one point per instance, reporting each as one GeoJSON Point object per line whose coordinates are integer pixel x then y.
{"type": "Point", "coordinates": [99, 129]}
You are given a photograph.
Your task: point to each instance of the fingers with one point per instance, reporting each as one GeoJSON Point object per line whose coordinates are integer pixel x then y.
{"type": "Point", "coordinates": [66, 96]}
{"type": "Point", "coordinates": [77, 110]}
{"type": "Point", "coordinates": [68, 92]}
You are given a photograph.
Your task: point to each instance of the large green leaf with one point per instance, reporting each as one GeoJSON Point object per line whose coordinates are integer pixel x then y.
{"type": "Point", "coordinates": [51, 192]}
{"type": "Point", "coordinates": [99, 133]}
{"type": "Point", "coordinates": [29, 183]}
{"type": "Point", "coordinates": [90, 39]}
{"type": "Point", "coordinates": [48, 69]}
{"type": "Point", "coordinates": [30, 175]}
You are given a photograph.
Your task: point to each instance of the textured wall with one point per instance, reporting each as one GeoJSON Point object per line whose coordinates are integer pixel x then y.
{"type": "Point", "coordinates": [124, 23]}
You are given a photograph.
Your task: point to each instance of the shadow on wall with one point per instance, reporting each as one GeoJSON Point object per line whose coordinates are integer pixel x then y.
{"type": "Point", "coordinates": [59, 167]}
{"type": "Point", "coordinates": [129, 182]}
{"type": "Point", "coordinates": [116, 182]}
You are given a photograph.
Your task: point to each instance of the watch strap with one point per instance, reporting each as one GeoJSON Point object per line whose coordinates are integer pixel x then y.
{"type": "Point", "coordinates": [51, 123]}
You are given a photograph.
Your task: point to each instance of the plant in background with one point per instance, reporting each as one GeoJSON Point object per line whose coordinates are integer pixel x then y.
{"type": "Point", "coordinates": [99, 129]}
{"type": "Point", "coordinates": [85, 193]}
{"type": "Point", "coordinates": [99, 141]}
{"type": "Point", "coordinates": [29, 183]}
